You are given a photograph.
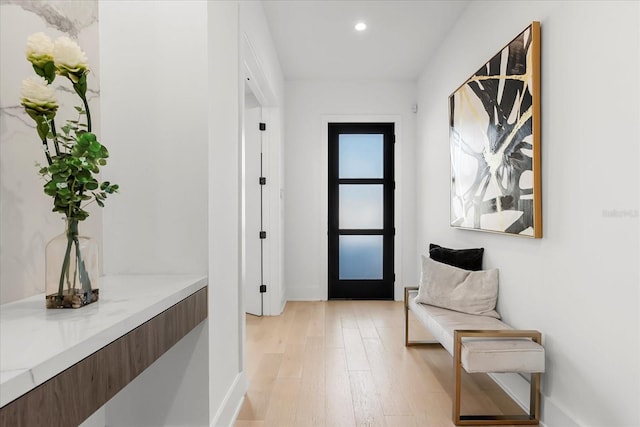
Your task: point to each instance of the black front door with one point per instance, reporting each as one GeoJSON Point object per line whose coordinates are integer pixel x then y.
{"type": "Point", "coordinates": [361, 227]}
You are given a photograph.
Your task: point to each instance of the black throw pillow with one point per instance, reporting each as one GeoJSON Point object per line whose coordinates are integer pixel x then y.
{"type": "Point", "coordinates": [467, 259]}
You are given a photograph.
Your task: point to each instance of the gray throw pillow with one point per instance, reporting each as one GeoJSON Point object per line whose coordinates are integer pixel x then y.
{"type": "Point", "coordinates": [472, 292]}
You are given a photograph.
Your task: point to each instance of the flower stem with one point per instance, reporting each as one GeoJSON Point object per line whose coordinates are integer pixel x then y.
{"type": "Point", "coordinates": [85, 280]}
{"type": "Point", "coordinates": [86, 109]}
{"type": "Point", "coordinates": [55, 137]}
{"type": "Point", "coordinates": [46, 151]}
{"type": "Point", "coordinates": [67, 256]}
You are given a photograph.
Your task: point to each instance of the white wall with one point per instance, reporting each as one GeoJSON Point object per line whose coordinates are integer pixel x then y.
{"type": "Point", "coordinates": [26, 220]}
{"type": "Point", "coordinates": [309, 106]}
{"type": "Point", "coordinates": [155, 114]}
{"type": "Point", "coordinates": [579, 283]}
{"type": "Point", "coordinates": [156, 120]}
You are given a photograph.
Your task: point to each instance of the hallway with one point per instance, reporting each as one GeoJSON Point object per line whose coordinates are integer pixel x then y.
{"type": "Point", "coordinates": [343, 363]}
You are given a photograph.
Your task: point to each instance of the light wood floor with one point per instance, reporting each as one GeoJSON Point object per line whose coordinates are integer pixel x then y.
{"type": "Point", "coordinates": [344, 363]}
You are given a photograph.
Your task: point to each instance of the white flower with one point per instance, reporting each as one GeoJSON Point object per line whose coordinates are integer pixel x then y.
{"type": "Point", "coordinates": [69, 59]}
{"type": "Point", "coordinates": [38, 96]}
{"type": "Point", "coordinates": [39, 49]}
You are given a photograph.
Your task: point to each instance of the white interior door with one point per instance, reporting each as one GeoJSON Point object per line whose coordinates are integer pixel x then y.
{"type": "Point", "coordinates": [253, 211]}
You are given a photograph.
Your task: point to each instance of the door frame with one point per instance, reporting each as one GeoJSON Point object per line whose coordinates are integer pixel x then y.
{"type": "Point", "coordinates": [253, 218]}
{"type": "Point", "coordinates": [382, 288]}
{"type": "Point", "coordinates": [323, 194]}
{"type": "Point", "coordinates": [252, 72]}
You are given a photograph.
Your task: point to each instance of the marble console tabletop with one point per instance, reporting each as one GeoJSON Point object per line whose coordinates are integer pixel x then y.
{"type": "Point", "coordinates": [37, 343]}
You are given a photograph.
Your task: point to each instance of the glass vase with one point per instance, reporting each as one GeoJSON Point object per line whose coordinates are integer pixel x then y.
{"type": "Point", "coordinates": [71, 269]}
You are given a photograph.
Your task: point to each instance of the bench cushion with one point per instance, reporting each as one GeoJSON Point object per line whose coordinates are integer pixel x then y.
{"type": "Point", "coordinates": [441, 322]}
{"type": "Point", "coordinates": [479, 354]}
{"type": "Point", "coordinates": [502, 355]}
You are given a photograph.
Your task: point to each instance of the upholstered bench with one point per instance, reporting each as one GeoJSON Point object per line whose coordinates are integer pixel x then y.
{"type": "Point", "coordinates": [480, 343]}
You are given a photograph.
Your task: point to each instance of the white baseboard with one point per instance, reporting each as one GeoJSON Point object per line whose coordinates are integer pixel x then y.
{"type": "Point", "coordinates": [230, 407]}
{"type": "Point", "coordinates": [553, 415]}
{"type": "Point", "coordinates": [518, 389]}
{"type": "Point", "coordinates": [315, 294]}
{"type": "Point", "coordinates": [515, 386]}
{"type": "Point", "coordinates": [305, 294]}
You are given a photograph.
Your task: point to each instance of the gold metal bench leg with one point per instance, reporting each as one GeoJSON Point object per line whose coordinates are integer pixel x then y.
{"type": "Point", "coordinates": [407, 341]}
{"type": "Point", "coordinates": [476, 420]}
{"type": "Point", "coordinates": [406, 317]}
{"type": "Point", "coordinates": [457, 365]}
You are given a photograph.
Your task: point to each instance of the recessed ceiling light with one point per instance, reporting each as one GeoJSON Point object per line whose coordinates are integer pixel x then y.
{"type": "Point", "coordinates": [361, 26]}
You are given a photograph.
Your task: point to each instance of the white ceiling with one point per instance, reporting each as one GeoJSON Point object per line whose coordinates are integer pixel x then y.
{"type": "Point", "coordinates": [317, 39]}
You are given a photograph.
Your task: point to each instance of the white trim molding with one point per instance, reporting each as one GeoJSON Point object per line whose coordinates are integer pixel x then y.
{"type": "Point", "coordinates": [230, 407]}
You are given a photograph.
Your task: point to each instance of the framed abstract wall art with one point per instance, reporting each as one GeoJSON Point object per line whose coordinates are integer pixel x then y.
{"type": "Point", "coordinates": [494, 134]}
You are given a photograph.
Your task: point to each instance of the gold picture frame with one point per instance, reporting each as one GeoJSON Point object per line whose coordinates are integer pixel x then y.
{"type": "Point", "coordinates": [494, 135]}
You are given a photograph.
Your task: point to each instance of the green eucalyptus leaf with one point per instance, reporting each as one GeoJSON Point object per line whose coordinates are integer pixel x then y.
{"type": "Point", "coordinates": [78, 150]}
{"type": "Point", "coordinates": [58, 178]}
{"type": "Point", "coordinates": [57, 167]}
{"type": "Point", "coordinates": [91, 185]}
{"type": "Point", "coordinates": [83, 176]}
{"type": "Point", "coordinates": [50, 190]}
{"type": "Point", "coordinates": [59, 202]}
{"type": "Point", "coordinates": [95, 147]}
